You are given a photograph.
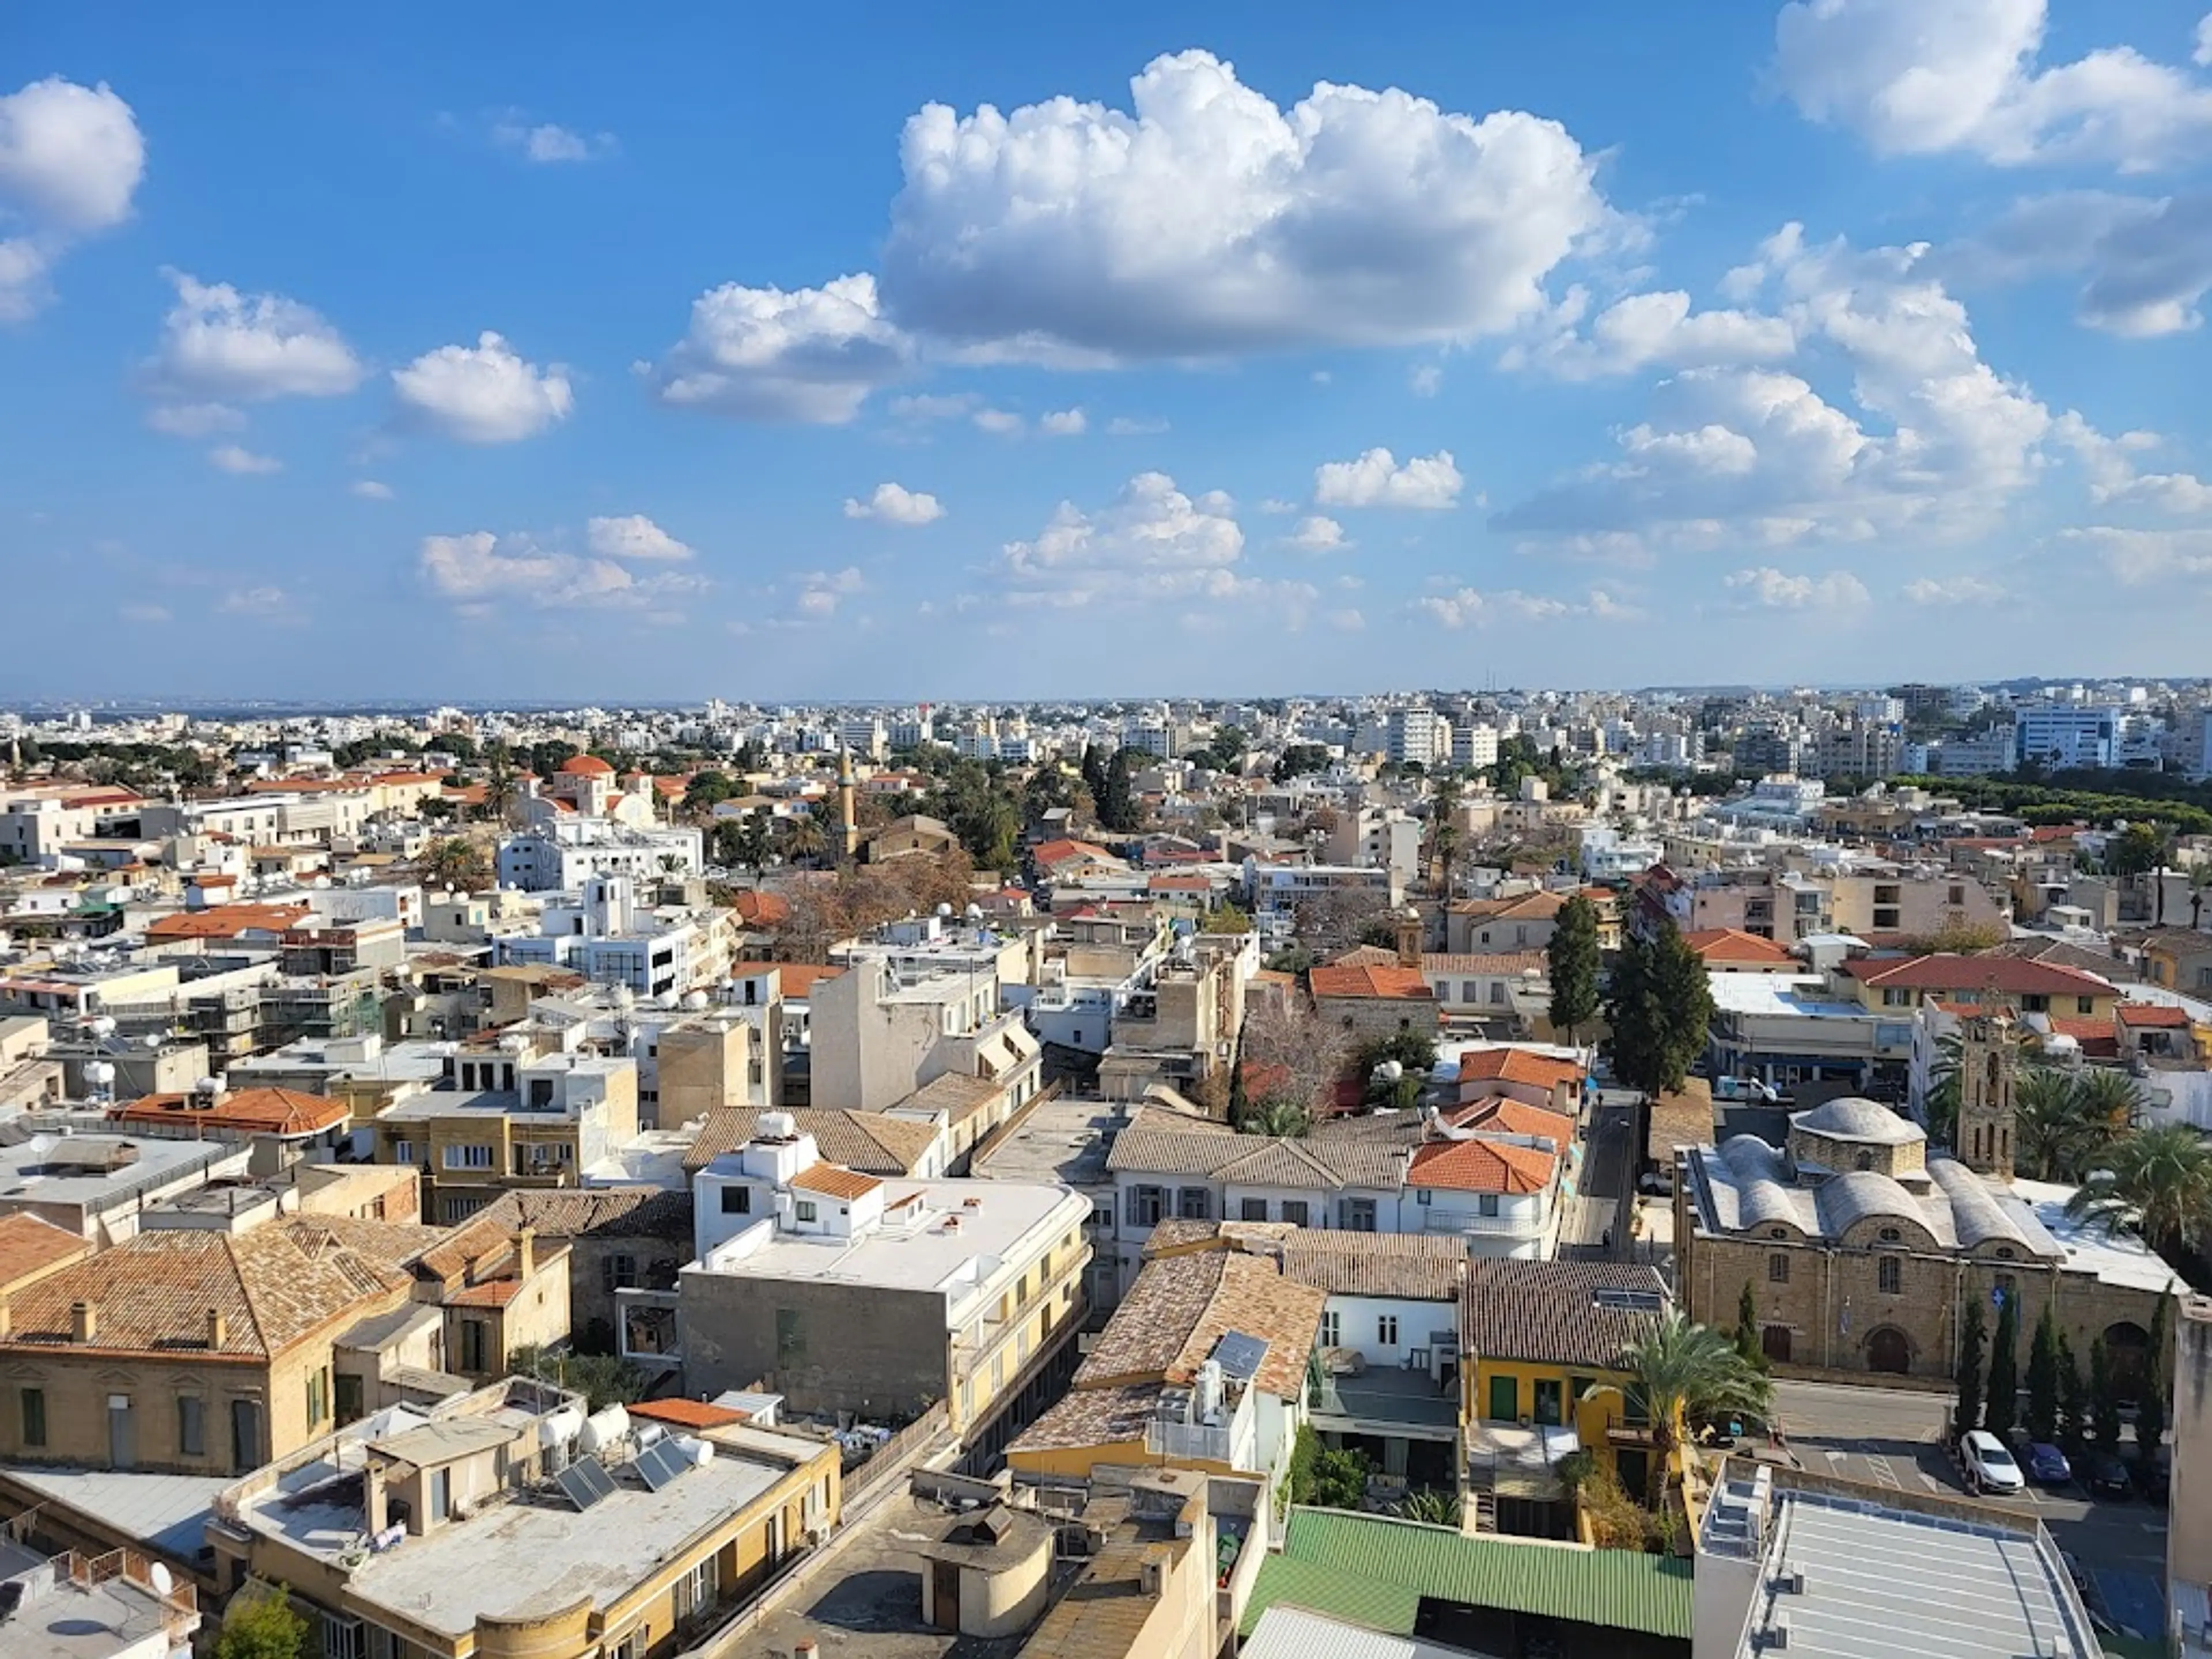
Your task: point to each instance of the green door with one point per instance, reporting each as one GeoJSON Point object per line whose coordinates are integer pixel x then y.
{"type": "Point", "coordinates": [1505, 1399]}
{"type": "Point", "coordinates": [1548, 1391]}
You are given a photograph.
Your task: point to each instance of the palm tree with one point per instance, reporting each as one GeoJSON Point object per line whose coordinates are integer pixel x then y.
{"type": "Point", "coordinates": [2157, 1183]}
{"type": "Point", "coordinates": [1683, 1370]}
{"type": "Point", "coordinates": [1941, 1104]}
{"type": "Point", "coordinates": [2068, 1120]}
{"type": "Point", "coordinates": [803, 838]}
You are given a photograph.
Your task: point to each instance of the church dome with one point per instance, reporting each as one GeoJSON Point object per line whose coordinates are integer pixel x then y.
{"type": "Point", "coordinates": [1853, 1118]}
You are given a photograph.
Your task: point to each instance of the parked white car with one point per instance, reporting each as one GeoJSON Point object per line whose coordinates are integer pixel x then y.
{"type": "Point", "coordinates": [1989, 1466]}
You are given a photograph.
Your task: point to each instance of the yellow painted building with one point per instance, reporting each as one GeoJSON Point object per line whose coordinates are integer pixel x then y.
{"type": "Point", "coordinates": [1889, 986]}
{"type": "Point", "coordinates": [1541, 1346]}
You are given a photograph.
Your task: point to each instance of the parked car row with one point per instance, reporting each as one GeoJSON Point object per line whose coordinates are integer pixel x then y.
{"type": "Point", "coordinates": [1993, 1469]}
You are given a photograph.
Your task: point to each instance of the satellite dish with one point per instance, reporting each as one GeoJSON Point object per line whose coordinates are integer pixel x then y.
{"type": "Point", "coordinates": [158, 1576]}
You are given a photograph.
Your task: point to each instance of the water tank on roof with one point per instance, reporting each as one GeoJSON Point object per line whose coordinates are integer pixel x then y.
{"type": "Point", "coordinates": [602, 1428]}
{"type": "Point", "coordinates": [944, 910]}
{"type": "Point", "coordinates": [776, 1126]}
{"type": "Point", "coordinates": [695, 1000]}
{"type": "Point", "coordinates": [561, 1427]}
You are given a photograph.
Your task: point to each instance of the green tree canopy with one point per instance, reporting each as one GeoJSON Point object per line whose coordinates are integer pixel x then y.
{"type": "Point", "coordinates": [262, 1626]}
{"type": "Point", "coordinates": [2002, 1409]}
{"type": "Point", "coordinates": [1572, 960]}
{"type": "Point", "coordinates": [1681, 1371]}
{"type": "Point", "coordinates": [1973, 1334]}
{"type": "Point", "coordinates": [2043, 1380]}
{"type": "Point", "coordinates": [1658, 1005]}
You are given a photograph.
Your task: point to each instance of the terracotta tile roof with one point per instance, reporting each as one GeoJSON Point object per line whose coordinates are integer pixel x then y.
{"type": "Point", "coordinates": [397, 1244]}
{"type": "Point", "coordinates": [2098, 1038]}
{"type": "Point", "coordinates": [1092, 1417]}
{"type": "Point", "coordinates": [1503, 1115]}
{"type": "Point", "coordinates": [228, 921]}
{"type": "Point", "coordinates": [1517, 1065]}
{"type": "Point", "coordinates": [797, 978]}
{"type": "Point", "coordinates": [273, 1286]}
{"type": "Point", "coordinates": [29, 1247]}
{"type": "Point", "coordinates": [1522, 906]}
{"type": "Point", "coordinates": [828, 1179]}
{"type": "Point", "coordinates": [1316, 1163]}
{"type": "Point", "coordinates": [1514, 962]}
{"type": "Point", "coordinates": [1390, 984]}
{"type": "Point", "coordinates": [867, 1141]}
{"type": "Point", "coordinates": [2153, 1013]}
{"type": "Point", "coordinates": [578, 766]}
{"type": "Point", "coordinates": [1176, 1234]}
{"type": "Point", "coordinates": [492, 1293]}
{"type": "Point", "coordinates": [958, 1096]}
{"type": "Point", "coordinates": [1734, 944]}
{"type": "Point", "coordinates": [1548, 1312]}
{"type": "Point", "coordinates": [595, 1212]}
{"type": "Point", "coordinates": [1482, 1166]}
{"type": "Point", "coordinates": [1051, 853]}
{"type": "Point", "coordinates": [1681, 1117]}
{"type": "Point", "coordinates": [247, 1111]}
{"type": "Point", "coordinates": [1182, 1305]}
{"type": "Point", "coordinates": [2008, 975]}
{"type": "Point", "coordinates": [471, 1250]}
{"type": "Point", "coordinates": [690, 1414]}
{"type": "Point", "coordinates": [1410, 1265]}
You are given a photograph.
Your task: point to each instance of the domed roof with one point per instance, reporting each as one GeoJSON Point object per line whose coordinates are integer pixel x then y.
{"type": "Point", "coordinates": [1849, 1199]}
{"type": "Point", "coordinates": [1852, 1118]}
{"type": "Point", "coordinates": [587, 766]}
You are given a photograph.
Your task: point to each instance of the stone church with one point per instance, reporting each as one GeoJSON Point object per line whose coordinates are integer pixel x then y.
{"type": "Point", "coordinates": [1862, 1250]}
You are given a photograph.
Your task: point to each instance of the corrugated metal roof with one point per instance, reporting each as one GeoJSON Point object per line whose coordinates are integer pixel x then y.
{"type": "Point", "coordinates": [1375, 1570]}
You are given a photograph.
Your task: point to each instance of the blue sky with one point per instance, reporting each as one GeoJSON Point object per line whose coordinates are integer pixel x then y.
{"type": "Point", "coordinates": [535, 351]}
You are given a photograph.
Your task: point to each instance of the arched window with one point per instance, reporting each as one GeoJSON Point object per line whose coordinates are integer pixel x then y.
{"type": "Point", "coordinates": [1778, 1267]}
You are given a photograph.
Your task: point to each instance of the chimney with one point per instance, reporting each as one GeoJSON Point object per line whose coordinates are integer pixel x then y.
{"type": "Point", "coordinates": [525, 1252]}
{"type": "Point", "coordinates": [84, 1321]}
{"type": "Point", "coordinates": [218, 1329]}
{"type": "Point", "coordinates": [374, 1509]}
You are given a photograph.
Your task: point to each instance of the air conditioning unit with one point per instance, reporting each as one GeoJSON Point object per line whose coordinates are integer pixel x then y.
{"type": "Point", "coordinates": [817, 1535]}
{"type": "Point", "coordinates": [1793, 1579]}
{"type": "Point", "coordinates": [1777, 1633]}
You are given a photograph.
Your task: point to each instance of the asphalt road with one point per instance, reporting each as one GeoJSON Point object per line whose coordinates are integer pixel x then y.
{"type": "Point", "coordinates": [1606, 1170]}
{"type": "Point", "coordinates": [1892, 1438]}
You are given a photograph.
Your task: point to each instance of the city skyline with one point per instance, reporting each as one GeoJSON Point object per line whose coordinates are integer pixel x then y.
{"type": "Point", "coordinates": [1267, 348]}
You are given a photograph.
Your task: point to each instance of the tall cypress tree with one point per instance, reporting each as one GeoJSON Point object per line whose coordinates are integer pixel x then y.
{"type": "Point", "coordinates": [1969, 1373]}
{"type": "Point", "coordinates": [1572, 958]}
{"type": "Point", "coordinates": [2104, 1400]}
{"type": "Point", "coordinates": [1631, 1041]}
{"type": "Point", "coordinates": [2150, 1408]}
{"type": "Point", "coordinates": [2043, 1380]}
{"type": "Point", "coordinates": [2073, 1399]}
{"type": "Point", "coordinates": [1746, 1330]}
{"type": "Point", "coordinates": [2003, 1408]}
{"type": "Point", "coordinates": [1685, 998]}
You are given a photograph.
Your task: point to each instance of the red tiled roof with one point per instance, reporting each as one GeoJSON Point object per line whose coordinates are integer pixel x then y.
{"type": "Point", "coordinates": [2012, 975]}
{"type": "Point", "coordinates": [835, 1181]}
{"type": "Point", "coordinates": [1503, 1115]}
{"type": "Point", "coordinates": [580, 766]}
{"type": "Point", "coordinates": [249, 1111]}
{"type": "Point", "coordinates": [29, 1247]}
{"type": "Point", "coordinates": [1482, 1166]}
{"type": "Point", "coordinates": [1516, 1066]}
{"type": "Point", "coordinates": [1394, 984]}
{"type": "Point", "coordinates": [1067, 852]}
{"type": "Point", "coordinates": [1734, 944]}
{"type": "Point", "coordinates": [228, 921]}
{"type": "Point", "coordinates": [762, 909]}
{"type": "Point", "coordinates": [2097, 1038]}
{"type": "Point", "coordinates": [797, 978]}
{"type": "Point", "coordinates": [2153, 1013]}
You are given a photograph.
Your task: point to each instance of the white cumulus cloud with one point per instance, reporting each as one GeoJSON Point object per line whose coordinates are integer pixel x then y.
{"type": "Point", "coordinates": [1206, 220]}
{"type": "Point", "coordinates": [2145, 262]}
{"type": "Point", "coordinates": [1152, 541]}
{"type": "Point", "coordinates": [632, 536]}
{"type": "Point", "coordinates": [482, 394]}
{"type": "Point", "coordinates": [1654, 329]}
{"type": "Point", "coordinates": [892, 503]}
{"type": "Point", "coordinates": [71, 160]}
{"type": "Point", "coordinates": [1774, 590]}
{"type": "Point", "coordinates": [370, 490]}
{"type": "Point", "coordinates": [1920, 77]}
{"type": "Point", "coordinates": [1461, 607]}
{"type": "Point", "coordinates": [1063, 423]}
{"type": "Point", "coordinates": [1377, 479]}
{"type": "Point", "coordinates": [547, 142]}
{"type": "Point", "coordinates": [219, 344]}
{"type": "Point", "coordinates": [812, 354]}
{"type": "Point", "coordinates": [1318, 533]}
{"type": "Point", "coordinates": [479, 568]}
{"type": "Point", "coordinates": [1953, 590]}
{"type": "Point", "coordinates": [235, 458]}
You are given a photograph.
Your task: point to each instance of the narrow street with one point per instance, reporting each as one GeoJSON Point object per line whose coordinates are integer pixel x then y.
{"type": "Point", "coordinates": [1608, 1169]}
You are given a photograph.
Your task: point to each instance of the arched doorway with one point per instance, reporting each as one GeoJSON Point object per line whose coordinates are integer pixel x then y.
{"type": "Point", "coordinates": [1774, 1343]}
{"type": "Point", "coordinates": [1888, 1349]}
{"type": "Point", "coordinates": [2127, 1352]}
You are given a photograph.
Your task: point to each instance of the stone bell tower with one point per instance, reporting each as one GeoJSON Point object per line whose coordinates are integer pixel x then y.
{"type": "Point", "coordinates": [1987, 1059]}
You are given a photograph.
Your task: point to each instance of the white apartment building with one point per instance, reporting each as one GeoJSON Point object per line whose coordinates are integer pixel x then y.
{"type": "Point", "coordinates": [37, 822]}
{"type": "Point", "coordinates": [603, 935]}
{"type": "Point", "coordinates": [562, 855]}
{"type": "Point", "coordinates": [2061, 738]}
{"type": "Point", "coordinates": [1420, 736]}
{"type": "Point", "coordinates": [1474, 746]}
